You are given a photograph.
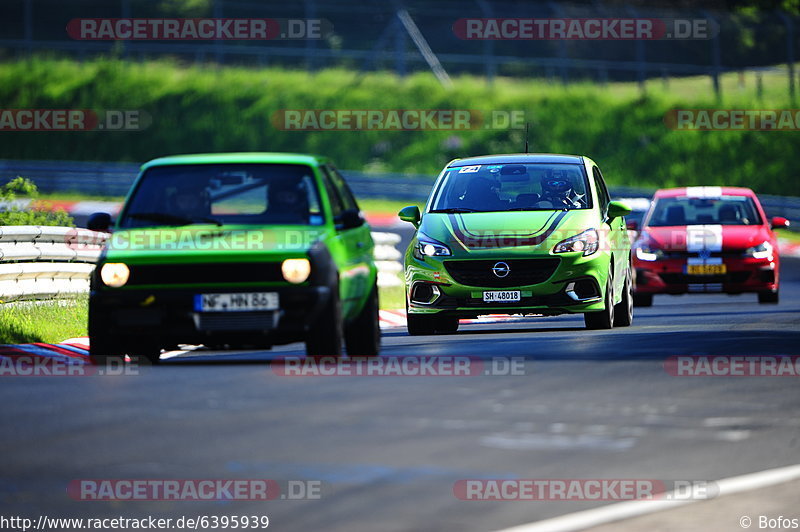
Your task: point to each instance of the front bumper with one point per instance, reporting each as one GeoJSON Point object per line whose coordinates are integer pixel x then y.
{"type": "Point", "coordinates": [168, 317]}
{"type": "Point", "coordinates": [743, 274]}
{"type": "Point", "coordinates": [576, 285]}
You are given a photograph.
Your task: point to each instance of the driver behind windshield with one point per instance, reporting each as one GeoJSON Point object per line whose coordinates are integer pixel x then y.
{"type": "Point", "coordinates": [558, 190]}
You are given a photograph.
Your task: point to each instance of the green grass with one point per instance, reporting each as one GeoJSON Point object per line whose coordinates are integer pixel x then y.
{"type": "Point", "coordinates": [788, 234]}
{"type": "Point", "coordinates": [209, 108]}
{"type": "Point", "coordinates": [47, 321]}
{"type": "Point", "coordinates": [392, 297]}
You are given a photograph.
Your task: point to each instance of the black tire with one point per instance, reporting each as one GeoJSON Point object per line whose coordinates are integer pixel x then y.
{"type": "Point", "coordinates": [421, 324]}
{"type": "Point", "coordinates": [623, 312]}
{"type": "Point", "coordinates": [642, 300]}
{"type": "Point", "coordinates": [447, 324]}
{"type": "Point", "coordinates": [325, 336]}
{"type": "Point", "coordinates": [103, 351]}
{"type": "Point", "coordinates": [362, 336]}
{"type": "Point", "coordinates": [768, 297]}
{"type": "Point", "coordinates": [603, 319]}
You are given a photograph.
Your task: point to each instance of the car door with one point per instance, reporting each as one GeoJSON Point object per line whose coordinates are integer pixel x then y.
{"type": "Point", "coordinates": [617, 234]}
{"type": "Point", "coordinates": [357, 270]}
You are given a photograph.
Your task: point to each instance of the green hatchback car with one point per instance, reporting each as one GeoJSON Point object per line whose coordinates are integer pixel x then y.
{"type": "Point", "coordinates": [239, 249]}
{"type": "Point", "coordinates": [518, 234]}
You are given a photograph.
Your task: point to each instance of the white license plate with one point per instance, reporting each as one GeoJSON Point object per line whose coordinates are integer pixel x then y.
{"type": "Point", "coordinates": [241, 302]}
{"type": "Point", "coordinates": [501, 296]}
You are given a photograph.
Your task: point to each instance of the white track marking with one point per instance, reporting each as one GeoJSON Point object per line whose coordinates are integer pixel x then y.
{"type": "Point", "coordinates": [626, 510]}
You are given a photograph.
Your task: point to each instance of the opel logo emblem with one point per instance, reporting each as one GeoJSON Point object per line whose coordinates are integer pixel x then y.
{"type": "Point", "coordinates": [501, 269]}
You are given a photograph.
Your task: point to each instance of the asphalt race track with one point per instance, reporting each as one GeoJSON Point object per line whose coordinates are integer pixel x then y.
{"type": "Point", "coordinates": [388, 450]}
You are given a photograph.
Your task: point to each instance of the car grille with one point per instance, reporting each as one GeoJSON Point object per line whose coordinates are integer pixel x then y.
{"type": "Point", "coordinates": [235, 321]}
{"type": "Point", "coordinates": [523, 272]}
{"type": "Point", "coordinates": [217, 273]}
{"type": "Point", "coordinates": [682, 278]}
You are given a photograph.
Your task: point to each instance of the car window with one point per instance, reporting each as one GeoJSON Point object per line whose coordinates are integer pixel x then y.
{"type": "Point", "coordinates": [348, 199]}
{"type": "Point", "coordinates": [603, 197]}
{"type": "Point", "coordinates": [723, 210]}
{"type": "Point", "coordinates": [224, 194]}
{"type": "Point", "coordinates": [337, 204]}
{"type": "Point", "coordinates": [503, 187]}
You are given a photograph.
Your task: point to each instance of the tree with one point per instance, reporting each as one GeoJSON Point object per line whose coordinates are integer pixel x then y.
{"type": "Point", "coordinates": [32, 212]}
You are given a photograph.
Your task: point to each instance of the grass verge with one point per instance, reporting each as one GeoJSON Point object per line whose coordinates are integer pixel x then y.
{"type": "Point", "coordinates": [50, 321]}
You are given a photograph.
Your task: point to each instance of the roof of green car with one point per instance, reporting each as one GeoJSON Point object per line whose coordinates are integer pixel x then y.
{"type": "Point", "coordinates": [237, 158]}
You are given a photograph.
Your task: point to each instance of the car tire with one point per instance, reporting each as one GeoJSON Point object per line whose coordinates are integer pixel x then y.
{"type": "Point", "coordinates": [420, 324]}
{"type": "Point", "coordinates": [447, 324]}
{"type": "Point", "coordinates": [642, 300]}
{"type": "Point", "coordinates": [623, 312]}
{"type": "Point", "coordinates": [325, 336]}
{"type": "Point", "coordinates": [603, 319]}
{"type": "Point", "coordinates": [362, 336]}
{"type": "Point", "coordinates": [103, 351]}
{"type": "Point", "coordinates": [768, 297]}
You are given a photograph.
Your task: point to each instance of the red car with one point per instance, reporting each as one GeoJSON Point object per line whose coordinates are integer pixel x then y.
{"type": "Point", "coordinates": [707, 239]}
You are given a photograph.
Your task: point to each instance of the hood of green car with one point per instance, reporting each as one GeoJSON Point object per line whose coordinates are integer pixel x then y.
{"type": "Point", "coordinates": [513, 231]}
{"type": "Point", "coordinates": [211, 243]}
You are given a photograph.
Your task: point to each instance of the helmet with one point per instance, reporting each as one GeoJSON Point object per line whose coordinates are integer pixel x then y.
{"type": "Point", "coordinates": [556, 183]}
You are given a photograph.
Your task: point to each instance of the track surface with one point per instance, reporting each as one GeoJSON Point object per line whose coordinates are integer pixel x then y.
{"type": "Point", "coordinates": [388, 449]}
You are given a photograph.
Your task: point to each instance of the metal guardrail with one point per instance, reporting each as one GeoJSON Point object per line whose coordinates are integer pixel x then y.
{"type": "Point", "coordinates": [39, 262]}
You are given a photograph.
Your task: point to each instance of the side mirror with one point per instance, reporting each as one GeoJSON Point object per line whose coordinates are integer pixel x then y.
{"type": "Point", "coordinates": [617, 209]}
{"type": "Point", "coordinates": [350, 219]}
{"type": "Point", "coordinates": [410, 214]}
{"type": "Point", "coordinates": [99, 221]}
{"type": "Point", "coordinates": [779, 222]}
{"type": "Point", "coordinates": [632, 225]}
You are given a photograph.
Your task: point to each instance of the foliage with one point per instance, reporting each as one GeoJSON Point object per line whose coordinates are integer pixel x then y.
{"type": "Point", "coordinates": [29, 211]}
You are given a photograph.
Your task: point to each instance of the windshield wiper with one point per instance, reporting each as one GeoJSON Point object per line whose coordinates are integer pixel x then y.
{"type": "Point", "coordinates": [455, 210]}
{"type": "Point", "coordinates": [172, 219]}
{"type": "Point", "coordinates": [528, 209]}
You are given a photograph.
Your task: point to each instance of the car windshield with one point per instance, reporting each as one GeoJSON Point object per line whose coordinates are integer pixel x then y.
{"type": "Point", "coordinates": [512, 187]}
{"type": "Point", "coordinates": [259, 194]}
{"type": "Point", "coordinates": [723, 210]}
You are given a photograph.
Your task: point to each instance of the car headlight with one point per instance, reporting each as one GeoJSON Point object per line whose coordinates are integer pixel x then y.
{"type": "Point", "coordinates": [761, 251]}
{"type": "Point", "coordinates": [647, 254]}
{"type": "Point", "coordinates": [114, 274]}
{"type": "Point", "coordinates": [428, 247]}
{"type": "Point", "coordinates": [588, 242]}
{"type": "Point", "coordinates": [296, 271]}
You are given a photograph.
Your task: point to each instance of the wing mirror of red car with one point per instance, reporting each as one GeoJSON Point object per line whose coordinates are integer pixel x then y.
{"type": "Point", "coordinates": [779, 222]}
{"type": "Point", "coordinates": [633, 225]}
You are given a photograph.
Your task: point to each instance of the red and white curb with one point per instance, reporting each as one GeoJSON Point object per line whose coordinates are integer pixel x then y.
{"type": "Point", "coordinates": [788, 249]}
{"type": "Point", "coordinates": [72, 351]}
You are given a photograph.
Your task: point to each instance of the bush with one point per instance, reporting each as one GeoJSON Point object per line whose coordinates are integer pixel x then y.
{"type": "Point", "coordinates": [35, 212]}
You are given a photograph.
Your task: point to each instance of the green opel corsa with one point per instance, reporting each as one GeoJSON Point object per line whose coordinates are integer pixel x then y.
{"type": "Point", "coordinates": [518, 234]}
{"type": "Point", "coordinates": [241, 249]}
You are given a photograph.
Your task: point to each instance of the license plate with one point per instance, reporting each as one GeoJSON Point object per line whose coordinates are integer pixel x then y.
{"type": "Point", "coordinates": [241, 302]}
{"type": "Point", "coordinates": [706, 269]}
{"type": "Point", "coordinates": [501, 296]}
